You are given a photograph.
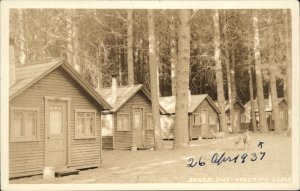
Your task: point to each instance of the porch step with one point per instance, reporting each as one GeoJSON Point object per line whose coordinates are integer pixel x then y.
{"type": "Point", "coordinates": [65, 172]}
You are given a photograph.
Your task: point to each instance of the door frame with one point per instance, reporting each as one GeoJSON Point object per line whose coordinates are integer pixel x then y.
{"type": "Point", "coordinates": [68, 146]}
{"type": "Point", "coordinates": [143, 125]}
{"type": "Point", "coordinates": [205, 125]}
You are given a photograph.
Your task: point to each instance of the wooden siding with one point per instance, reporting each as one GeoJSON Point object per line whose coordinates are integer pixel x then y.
{"type": "Point", "coordinates": [242, 127]}
{"type": "Point", "coordinates": [27, 158]}
{"type": "Point", "coordinates": [123, 139]}
{"type": "Point", "coordinates": [198, 131]}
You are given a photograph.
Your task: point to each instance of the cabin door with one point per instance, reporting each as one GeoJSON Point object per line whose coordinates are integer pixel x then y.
{"type": "Point", "coordinates": [204, 126]}
{"type": "Point", "coordinates": [137, 131]}
{"type": "Point", "coordinates": [56, 133]}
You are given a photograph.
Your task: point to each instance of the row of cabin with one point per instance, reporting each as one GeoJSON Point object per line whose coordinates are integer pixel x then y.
{"type": "Point", "coordinates": [55, 118]}
{"type": "Point", "coordinates": [283, 112]}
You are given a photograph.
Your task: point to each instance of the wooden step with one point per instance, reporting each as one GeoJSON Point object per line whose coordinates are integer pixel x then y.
{"type": "Point", "coordinates": [65, 172]}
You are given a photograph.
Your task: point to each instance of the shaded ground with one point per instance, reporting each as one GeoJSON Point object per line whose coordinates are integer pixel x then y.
{"type": "Point", "coordinates": [168, 166]}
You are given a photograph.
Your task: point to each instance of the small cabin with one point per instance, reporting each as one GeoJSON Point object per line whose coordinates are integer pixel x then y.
{"type": "Point", "coordinates": [283, 112]}
{"type": "Point", "coordinates": [241, 117]}
{"type": "Point", "coordinates": [202, 114]}
{"type": "Point", "coordinates": [129, 122]}
{"type": "Point", "coordinates": [54, 119]}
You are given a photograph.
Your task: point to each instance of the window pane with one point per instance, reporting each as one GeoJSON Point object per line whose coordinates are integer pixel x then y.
{"type": "Point", "coordinates": [18, 119]}
{"type": "Point", "coordinates": [30, 124]}
{"type": "Point", "coordinates": [80, 123]}
{"type": "Point", "coordinates": [197, 119]}
{"type": "Point", "coordinates": [89, 124]}
{"type": "Point", "coordinates": [125, 122]}
{"type": "Point", "coordinates": [56, 123]}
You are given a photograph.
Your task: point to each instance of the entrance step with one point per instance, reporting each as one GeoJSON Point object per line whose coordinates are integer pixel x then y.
{"type": "Point", "coordinates": [65, 171]}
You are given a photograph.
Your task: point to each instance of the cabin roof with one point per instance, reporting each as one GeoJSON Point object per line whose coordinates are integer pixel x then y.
{"type": "Point", "coordinates": [168, 103]}
{"type": "Point", "coordinates": [268, 107]}
{"type": "Point", "coordinates": [29, 74]}
{"type": "Point", "coordinates": [124, 94]}
{"type": "Point", "coordinates": [227, 106]}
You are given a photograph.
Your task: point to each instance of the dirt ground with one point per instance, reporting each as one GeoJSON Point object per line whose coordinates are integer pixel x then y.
{"type": "Point", "coordinates": [169, 166]}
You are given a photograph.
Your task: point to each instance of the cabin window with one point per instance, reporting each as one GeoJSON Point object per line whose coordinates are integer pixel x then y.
{"type": "Point", "coordinates": [196, 119]}
{"type": "Point", "coordinates": [123, 122]}
{"type": "Point", "coordinates": [149, 121]}
{"type": "Point", "coordinates": [243, 118]}
{"type": "Point", "coordinates": [212, 120]}
{"type": "Point", "coordinates": [85, 123]}
{"type": "Point", "coordinates": [24, 124]}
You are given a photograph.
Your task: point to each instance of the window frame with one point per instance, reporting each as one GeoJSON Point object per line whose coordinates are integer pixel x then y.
{"type": "Point", "coordinates": [85, 136]}
{"type": "Point", "coordinates": [147, 126]}
{"type": "Point", "coordinates": [243, 121]}
{"type": "Point", "coordinates": [11, 125]}
{"type": "Point", "coordinates": [118, 116]}
{"type": "Point", "coordinates": [215, 119]}
{"type": "Point", "coordinates": [193, 119]}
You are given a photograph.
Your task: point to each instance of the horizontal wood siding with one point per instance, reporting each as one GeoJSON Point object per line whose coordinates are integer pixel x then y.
{"type": "Point", "coordinates": [26, 158]}
{"type": "Point", "coordinates": [123, 139]}
{"type": "Point", "coordinates": [205, 105]}
{"type": "Point", "coordinates": [107, 142]}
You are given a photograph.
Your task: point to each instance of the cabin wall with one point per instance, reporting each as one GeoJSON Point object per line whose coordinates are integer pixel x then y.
{"type": "Point", "coordinates": [243, 126]}
{"type": "Point", "coordinates": [123, 139]}
{"type": "Point", "coordinates": [27, 158]}
{"type": "Point", "coordinates": [204, 130]}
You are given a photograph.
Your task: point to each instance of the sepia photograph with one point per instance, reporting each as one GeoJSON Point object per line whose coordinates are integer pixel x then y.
{"type": "Point", "coordinates": [149, 95]}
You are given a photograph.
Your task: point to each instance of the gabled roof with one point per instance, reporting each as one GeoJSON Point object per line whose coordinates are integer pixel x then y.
{"type": "Point", "coordinates": [29, 74]}
{"type": "Point", "coordinates": [168, 103]}
{"type": "Point", "coordinates": [268, 107]}
{"type": "Point", "coordinates": [124, 94]}
{"type": "Point", "coordinates": [227, 106]}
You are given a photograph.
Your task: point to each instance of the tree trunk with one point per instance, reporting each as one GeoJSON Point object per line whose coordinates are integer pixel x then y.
{"type": "Point", "coordinates": [272, 70]}
{"type": "Point", "coordinates": [153, 81]}
{"type": "Point", "coordinates": [76, 45]}
{"type": "Point", "coordinates": [228, 76]}
{"type": "Point", "coordinates": [253, 119]}
{"type": "Point", "coordinates": [99, 77]}
{"type": "Point", "coordinates": [173, 54]}
{"type": "Point", "coordinates": [158, 64]}
{"type": "Point", "coordinates": [23, 46]}
{"type": "Point", "coordinates": [69, 38]}
{"type": "Point", "coordinates": [258, 73]}
{"type": "Point", "coordinates": [130, 48]}
{"type": "Point", "coordinates": [219, 72]}
{"type": "Point", "coordinates": [232, 72]}
{"type": "Point", "coordinates": [230, 100]}
{"type": "Point", "coordinates": [181, 135]}
{"type": "Point", "coordinates": [288, 68]}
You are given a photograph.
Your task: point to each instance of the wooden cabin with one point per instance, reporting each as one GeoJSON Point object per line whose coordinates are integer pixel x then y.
{"type": "Point", "coordinates": [54, 119]}
{"type": "Point", "coordinates": [202, 113]}
{"type": "Point", "coordinates": [283, 112]}
{"type": "Point", "coordinates": [241, 117]}
{"type": "Point", "coordinates": [129, 122]}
